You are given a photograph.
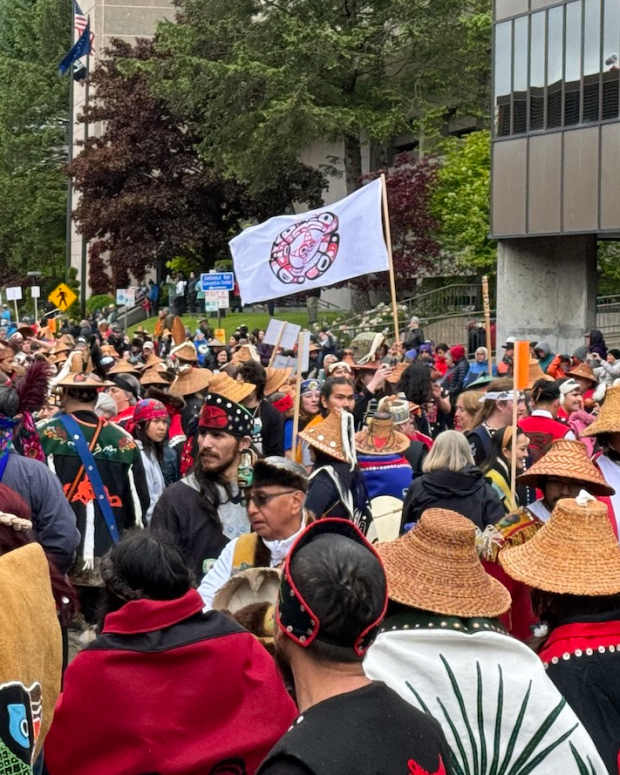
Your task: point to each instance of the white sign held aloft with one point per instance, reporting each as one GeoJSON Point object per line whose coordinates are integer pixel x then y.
{"type": "Point", "coordinates": [14, 294]}
{"type": "Point", "coordinates": [35, 291]}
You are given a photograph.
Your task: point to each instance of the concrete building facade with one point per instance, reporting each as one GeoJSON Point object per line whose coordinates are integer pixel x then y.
{"type": "Point", "coordinates": [555, 162]}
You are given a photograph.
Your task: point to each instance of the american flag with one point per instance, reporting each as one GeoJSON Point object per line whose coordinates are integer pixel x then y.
{"type": "Point", "coordinates": [80, 21]}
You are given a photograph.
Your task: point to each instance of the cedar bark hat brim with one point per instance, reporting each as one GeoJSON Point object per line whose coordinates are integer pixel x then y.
{"type": "Point", "coordinates": [435, 567]}
{"type": "Point", "coordinates": [567, 459]}
{"type": "Point", "coordinates": [574, 553]}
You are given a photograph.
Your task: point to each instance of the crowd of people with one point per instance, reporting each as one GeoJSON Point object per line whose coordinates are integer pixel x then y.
{"type": "Point", "coordinates": [211, 564]}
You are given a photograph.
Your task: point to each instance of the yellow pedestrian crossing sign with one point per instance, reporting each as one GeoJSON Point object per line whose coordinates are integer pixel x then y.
{"type": "Point", "coordinates": [62, 297]}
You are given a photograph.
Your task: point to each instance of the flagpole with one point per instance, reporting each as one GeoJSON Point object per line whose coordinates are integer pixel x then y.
{"type": "Point", "coordinates": [487, 321]}
{"type": "Point", "coordinates": [388, 240]}
{"type": "Point", "coordinates": [69, 183]}
{"type": "Point", "coordinates": [297, 397]}
{"type": "Point", "coordinates": [84, 241]}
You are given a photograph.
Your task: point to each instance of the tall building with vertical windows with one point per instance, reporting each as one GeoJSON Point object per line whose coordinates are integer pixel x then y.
{"type": "Point", "coordinates": [555, 160]}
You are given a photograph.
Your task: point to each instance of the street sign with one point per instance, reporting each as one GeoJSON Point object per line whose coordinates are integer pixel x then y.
{"type": "Point", "coordinates": [219, 298]}
{"type": "Point", "coordinates": [62, 297]}
{"type": "Point", "coordinates": [35, 291]}
{"type": "Point", "coordinates": [217, 281]}
{"type": "Point", "coordinates": [14, 294]}
{"type": "Point", "coordinates": [125, 297]}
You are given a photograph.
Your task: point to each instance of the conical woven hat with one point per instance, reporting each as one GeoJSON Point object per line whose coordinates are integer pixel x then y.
{"type": "Point", "coordinates": [186, 351]}
{"type": "Point", "coordinates": [153, 377]}
{"type": "Point", "coordinates": [230, 388]}
{"type": "Point", "coordinates": [151, 361]}
{"type": "Point", "coordinates": [436, 567]}
{"type": "Point", "coordinates": [583, 371]}
{"type": "Point", "coordinates": [124, 367]}
{"type": "Point", "coordinates": [245, 353]}
{"type": "Point", "coordinates": [567, 460]}
{"type": "Point", "coordinates": [191, 381]}
{"type": "Point", "coordinates": [276, 378]}
{"type": "Point", "coordinates": [380, 437]}
{"type": "Point", "coordinates": [326, 436]}
{"type": "Point", "coordinates": [574, 553]}
{"type": "Point", "coordinates": [535, 373]}
{"type": "Point", "coordinates": [608, 420]}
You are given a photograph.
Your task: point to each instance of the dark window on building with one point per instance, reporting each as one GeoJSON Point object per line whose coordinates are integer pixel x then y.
{"type": "Point", "coordinates": [558, 67]}
{"type": "Point", "coordinates": [537, 71]}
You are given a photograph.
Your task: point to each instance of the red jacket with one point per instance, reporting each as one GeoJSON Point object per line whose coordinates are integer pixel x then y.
{"type": "Point", "coordinates": [542, 432]}
{"type": "Point", "coordinates": [168, 689]}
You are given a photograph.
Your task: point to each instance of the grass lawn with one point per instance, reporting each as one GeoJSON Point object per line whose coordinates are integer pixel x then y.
{"type": "Point", "coordinates": [251, 319]}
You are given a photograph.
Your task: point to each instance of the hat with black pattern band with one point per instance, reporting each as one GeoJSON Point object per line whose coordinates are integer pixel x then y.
{"type": "Point", "coordinates": [221, 414]}
{"type": "Point", "coordinates": [295, 617]}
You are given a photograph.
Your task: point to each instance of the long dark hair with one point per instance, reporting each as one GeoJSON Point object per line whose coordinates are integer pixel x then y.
{"type": "Point", "coordinates": [415, 383]}
{"type": "Point", "coordinates": [554, 609]}
{"type": "Point", "coordinates": [143, 564]}
{"type": "Point", "coordinates": [148, 444]}
{"type": "Point", "coordinates": [498, 442]}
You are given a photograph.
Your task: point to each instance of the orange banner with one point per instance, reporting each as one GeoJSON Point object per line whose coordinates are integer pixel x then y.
{"type": "Point", "coordinates": [521, 364]}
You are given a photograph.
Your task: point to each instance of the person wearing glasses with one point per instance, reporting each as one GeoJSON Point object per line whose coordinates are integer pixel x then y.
{"type": "Point", "coordinates": [276, 513]}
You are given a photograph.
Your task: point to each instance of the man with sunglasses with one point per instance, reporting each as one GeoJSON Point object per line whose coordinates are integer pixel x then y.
{"type": "Point", "coordinates": [276, 513]}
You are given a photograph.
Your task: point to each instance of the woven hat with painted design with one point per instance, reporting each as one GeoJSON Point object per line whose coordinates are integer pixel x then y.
{"type": "Point", "coordinates": [567, 459]}
{"type": "Point", "coordinates": [380, 437]}
{"type": "Point", "coordinates": [192, 380]}
{"type": "Point", "coordinates": [331, 436]}
{"type": "Point", "coordinates": [435, 567]}
{"type": "Point", "coordinates": [574, 553]}
{"type": "Point", "coordinates": [608, 420]}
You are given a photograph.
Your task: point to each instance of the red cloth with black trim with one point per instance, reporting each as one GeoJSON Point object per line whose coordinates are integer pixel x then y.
{"type": "Point", "coordinates": [582, 659]}
{"type": "Point", "coordinates": [171, 690]}
{"type": "Point", "coordinates": [542, 432]}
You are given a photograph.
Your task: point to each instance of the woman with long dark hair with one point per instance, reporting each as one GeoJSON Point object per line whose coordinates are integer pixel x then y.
{"type": "Point", "coordinates": [150, 429]}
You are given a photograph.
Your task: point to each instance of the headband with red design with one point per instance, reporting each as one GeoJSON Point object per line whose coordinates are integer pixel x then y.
{"type": "Point", "coordinates": [221, 414]}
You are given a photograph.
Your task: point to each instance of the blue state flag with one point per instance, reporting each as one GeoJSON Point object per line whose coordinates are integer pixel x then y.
{"type": "Point", "coordinates": [81, 48]}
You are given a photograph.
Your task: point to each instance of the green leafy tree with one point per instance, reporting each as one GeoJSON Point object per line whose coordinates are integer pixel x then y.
{"type": "Point", "coordinates": [264, 79]}
{"type": "Point", "coordinates": [460, 202]}
{"type": "Point", "coordinates": [34, 111]}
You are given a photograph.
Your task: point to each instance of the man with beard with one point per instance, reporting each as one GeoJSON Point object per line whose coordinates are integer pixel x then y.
{"type": "Point", "coordinates": [333, 597]}
{"type": "Point", "coordinates": [205, 510]}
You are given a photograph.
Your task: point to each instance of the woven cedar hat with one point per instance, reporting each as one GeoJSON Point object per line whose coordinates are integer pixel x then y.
{"type": "Point", "coordinates": [83, 380]}
{"type": "Point", "coordinates": [608, 420]}
{"type": "Point", "coordinates": [108, 349]}
{"type": "Point", "coordinates": [185, 352]}
{"type": "Point", "coordinates": [230, 388]}
{"type": "Point", "coordinates": [153, 377]}
{"type": "Point", "coordinates": [574, 553]}
{"type": "Point", "coordinates": [535, 373]}
{"type": "Point", "coordinates": [380, 437]}
{"type": "Point", "coordinates": [248, 587]}
{"type": "Point", "coordinates": [435, 567]}
{"type": "Point", "coordinates": [583, 371]}
{"type": "Point", "coordinates": [178, 330]}
{"type": "Point", "coordinates": [276, 378]}
{"type": "Point", "coordinates": [124, 367]}
{"type": "Point", "coordinates": [327, 436]}
{"type": "Point", "coordinates": [567, 460]}
{"type": "Point", "coordinates": [245, 353]}
{"type": "Point", "coordinates": [191, 381]}
{"type": "Point", "coordinates": [151, 361]}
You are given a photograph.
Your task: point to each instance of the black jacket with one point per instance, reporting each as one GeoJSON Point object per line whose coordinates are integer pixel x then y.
{"type": "Point", "coordinates": [467, 492]}
{"type": "Point", "coordinates": [273, 429]}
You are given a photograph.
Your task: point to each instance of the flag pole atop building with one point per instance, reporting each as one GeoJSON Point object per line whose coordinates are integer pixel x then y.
{"type": "Point", "coordinates": [388, 242]}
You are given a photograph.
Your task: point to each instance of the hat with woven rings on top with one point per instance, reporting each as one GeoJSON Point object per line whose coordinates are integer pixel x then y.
{"type": "Point", "coordinates": [567, 459]}
{"type": "Point", "coordinates": [435, 567]}
{"type": "Point", "coordinates": [574, 553]}
{"type": "Point", "coordinates": [608, 420]}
